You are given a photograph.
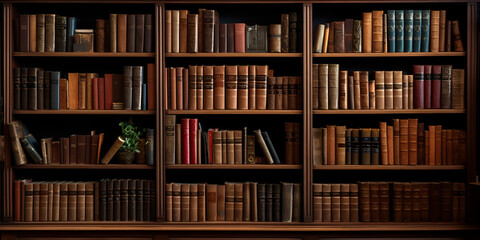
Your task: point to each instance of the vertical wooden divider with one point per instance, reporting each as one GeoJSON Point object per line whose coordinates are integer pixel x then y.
{"type": "Point", "coordinates": [160, 112]}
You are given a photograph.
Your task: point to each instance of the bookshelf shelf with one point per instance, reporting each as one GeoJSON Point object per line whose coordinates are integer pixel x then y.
{"type": "Point", "coordinates": [229, 55]}
{"type": "Point", "coordinates": [406, 54]}
{"type": "Point", "coordinates": [392, 111]}
{"type": "Point", "coordinates": [234, 112]}
{"type": "Point", "coordinates": [382, 167]}
{"type": "Point", "coordinates": [86, 166]}
{"type": "Point", "coordinates": [83, 112]}
{"type": "Point", "coordinates": [83, 54]}
{"type": "Point", "coordinates": [234, 166]}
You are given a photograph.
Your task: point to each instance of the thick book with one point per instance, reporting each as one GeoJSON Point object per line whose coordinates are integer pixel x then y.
{"type": "Point", "coordinates": [457, 37]}
{"type": "Point", "coordinates": [261, 87]}
{"type": "Point", "coordinates": [357, 36]}
{"type": "Point", "coordinates": [285, 33]}
{"type": "Point", "coordinates": [60, 33]}
{"type": "Point", "coordinates": [408, 31]}
{"type": "Point", "coordinates": [367, 32]}
{"type": "Point", "coordinates": [458, 89]}
{"type": "Point", "coordinates": [399, 30]}
{"type": "Point", "coordinates": [377, 31]}
{"type": "Point", "coordinates": [287, 202]}
{"type": "Point", "coordinates": [333, 84]}
{"type": "Point", "coordinates": [391, 38]}
{"type": "Point", "coordinates": [192, 33]}
{"type": "Point", "coordinates": [208, 31]}
{"type": "Point", "coordinates": [219, 87]}
{"type": "Point", "coordinates": [418, 86]}
{"type": "Point", "coordinates": [389, 89]}
{"type": "Point", "coordinates": [170, 139]}
{"type": "Point", "coordinates": [121, 32]}
{"type": "Point", "coordinates": [442, 30]}
{"type": "Point", "coordinates": [113, 150]}
{"type": "Point", "coordinates": [446, 89]}
{"type": "Point", "coordinates": [32, 80]}
{"type": "Point", "coordinates": [231, 80]}
{"type": "Point", "coordinates": [339, 31]}
{"type": "Point", "coordinates": [434, 31]}
{"type": "Point", "coordinates": [192, 87]}
{"type": "Point", "coordinates": [40, 33]}
{"type": "Point", "coordinates": [417, 30]}
{"type": "Point", "coordinates": [140, 32]}
{"type": "Point", "coordinates": [270, 147]}
{"type": "Point", "coordinates": [175, 39]}
{"type": "Point", "coordinates": [148, 33]}
{"type": "Point", "coordinates": [364, 89]}
{"type": "Point", "coordinates": [348, 35]}
{"type": "Point", "coordinates": [425, 43]}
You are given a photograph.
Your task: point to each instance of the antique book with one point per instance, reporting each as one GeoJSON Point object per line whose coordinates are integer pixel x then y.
{"type": "Point", "coordinates": [404, 141]}
{"type": "Point", "coordinates": [416, 204]}
{"type": "Point", "coordinates": [238, 201]}
{"type": "Point", "coordinates": [397, 202]}
{"type": "Point", "coordinates": [340, 145]}
{"type": "Point", "coordinates": [219, 87]}
{"type": "Point", "coordinates": [224, 38]}
{"type": "Point", "coordinates": [148, 33]}
{"type": "Point", "coordinates": [357, 36]}
{"type": "Point", "coordinates": [418, 86]}
{"type": "Point", "coordinates": [380, 89]}
{"type": "Point", "coordinates": [353, 202]}
{"type": "Point", "coordinates": [140, 32]}
{"type": "Point", "coordinates": [317, 45]}
{"type": "Point", "coordinates": [384, 195]}
{"type": "Point", "coordinates": [229, 201]}
{"type": "Point", "coordinates": [458, 88]}
{"type": "Point", "coordinates": [287, 202]}
{"type": "Point", "coordinates": [170, 139]}
{"type": "Point", "coordinates": [335, 204]}
{"type": "Point", "coordinates": [428, 86]}
{"type": "Point", "coordinates": [364, 89]}
{"type": "Point", "coordinates": [399, 30]}
{"type": "Point", "coordinates": [457, 37]}
{"type": "Point", "coordinates": [192, 87]}
{"type": "Point", "coordinates": [113, 32]}
{"type": "Point", "coordinates": [442, 30]}
{"type": "Point", "coordinates": [333, 84]}
{"type": "Point", "coordinates": [339, 32]}
{"type": "Point", "coordinates": [342, 95]}
{"type": "Point", "coordinates": [60, 34]}
{"type": "Point", "coordinates": [425, 42]}
{"type": "Point", "coordinates": [383, 143]}
{"type": "Point", "coordinates": [412, 141]}
{"type": "Point", "coordinates": [364, 201]}
{"type": "Point", "coordinates": [348, 35]}
{"type": "Point", "coordinates": [377, 31]}
{"type": "Point", "coordinates": [397, 90]}
{"type": "Point", "coordinates": [389, 89]}
{"type": "Point", "coordinates": [168, 31]}
{"type": "Point", "coordinates": [446, 201]}
{"type": "Point", "coordinates": [446, 89]}
{"type": "Point", "coordinates": [185, 203]}
{"type": "Point", "coordinates": [220, 202]}
{"type": "Point", "coordinates": [317, 202]}
{"type": "Point", "coordinates": [391, 38]}
{"type": "Point", "coordinates": [130, 31]}
{"type": "Point", "coordinates": [121, 32]}
{"type": "Point", "coordinates": [175, 31]}
{"type": "Point", "coordinates": [192, 33]}
{"type": "Point", "coordinates": [239, 29]}
{"type": "Point", "coordinates": [374, 201]}
{"type": "Point", "coordinates": [137, 80]}
{"type": "Point", "coordinates": [231, 80]}
{"type": "Point", "coordinates": [32, 81]}
{"type": "Point", "coordinates": [261, 87]}
{"type": "Point", "coordinates": [434, 30]}
{"type": "Point", "coordinates": [371, 93]}
{"type": "Point", "coordinates": [436, 85]}
{"type": "Point", "coordinates": [367, 32]}
{"type": "Point", "coordinates": [263, 146]}
{"type": "Point", "coordinates": [292, 36]}
{"type": "Point", "coordinates": [408, 31]}
{"type": "Point", "coordinates": [421, 143]}
{"type": "Point", "coordinates": [113, 150]}
{"type": "Point", "coordinates": [39, 33]}
{"type": "Point", "coordinates": [323, 86]}
{"type": "Point", "coordinates": [208, 30]}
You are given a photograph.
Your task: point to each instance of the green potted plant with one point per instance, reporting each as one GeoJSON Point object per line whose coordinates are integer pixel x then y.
{"type": "Point", "coordinates": [131, 134]}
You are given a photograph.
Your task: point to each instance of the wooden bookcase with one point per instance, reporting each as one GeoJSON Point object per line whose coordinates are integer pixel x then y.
{"type": "Point", "coordinates": [310, 13]}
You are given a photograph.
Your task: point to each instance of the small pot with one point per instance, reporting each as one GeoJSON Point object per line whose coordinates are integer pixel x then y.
{"type": "Point", "coordinates": [125, 157]}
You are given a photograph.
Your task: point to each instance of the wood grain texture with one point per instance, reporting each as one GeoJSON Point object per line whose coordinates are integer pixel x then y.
{"type": "Point", "coordinates": [84, 54]}
{"type": "Point", "coordinates": [83, 112]}
{"type": "Point", "coordinates": [232, 112]}
{"type": "Point", "coordinates": [392, 111]}
{"type": "Point", "coordinates": [86, 166]}
{"type": "Point", "coordinates": [389, 167]}
{"type": "Point", "coordinates": [396, 54]}
{"type": "Point", "coordinates": [216, 55]}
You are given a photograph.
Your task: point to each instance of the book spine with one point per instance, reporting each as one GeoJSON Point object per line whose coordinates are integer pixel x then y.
{"type": "Point", "coordinates": [219, 87]}
{"type": "Point", "coordinates": [367, 32]}
{"type": "Point", "coordinates": [457, 37]}
{"type": "Point", "coordinates": [442, 30]}
{"type": "Point", "coordinates": [446, 89]}
{"type": "Point", "coordinates": [357, 36]}
{"type": "Point", "coordinates": [239, 37]}
{"type": "Point", "coordinates": [261, 87]}
{"type": "Point", "coordinates": [418, 87]}
{"type": "Point", "coordinates": [399, 30]}
{"type": "Point", "coordinates": [231, 81]}
{"type": "Point", "coordinates": [425, 31]}
{"type": "Point", "coordinates": [428, 86]}
{"type": "Point", "coordinates": [140, 32]}
{"type": "Point", "coordinates": [192, 33]}
{"type": "Point", "coordinates": [333, 84]}
{"type": "Point", "coordinates": [434, 31]}
{"type": "Point", "coordinates": [417, 30]}
{"type": "Point", "coordinates": [408, 35]}
{"type": "Point", "coordinates": [377, 31]}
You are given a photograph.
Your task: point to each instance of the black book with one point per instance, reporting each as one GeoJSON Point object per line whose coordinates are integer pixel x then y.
{"type": "Point", "coordinates": [261, 202]}
{"type": "Point", "coordinates": [102, 206]}
{"type": "Point", "coordinates": [28, 143]}
{"type": "Point", "coordinates": [277, 202]}
{"type": "Point", "coordinates": [60, 33]}
{"type": "Point", "coordinates": [270, 147]}
{"type": "Point", "coordinates": [268, 202]}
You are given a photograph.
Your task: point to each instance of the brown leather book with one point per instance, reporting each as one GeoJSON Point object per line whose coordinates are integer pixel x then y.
{"type": "Point", "coordinates": [285, 30]}
{"type": "Point", "coordinates": [55, 201]}
{"type": "Point", "coordinates": [364, 90]}
{"type": "Point", "coordinates": [340, 145]}
{"type": "Point", "coordinates": [289, 142]}
{"type": "Point", "coordinates": [327, 202]}
{"type": "Point", "coordinates": [192, 33]}
{"type": "Point", "coordinates": [262, 202]}
{"type": "Point", "coordinates": [208, 31]}
{"type": "Point", "coordinates": [81, 149]}
{"type": "Point", "coordinates": [271, 85]}
{"type": "Point", "coordinates": [219, 87]}
{"type": "Point", "coordinates": [200, 33]}
{"type": "Point", "coordinates": [217, 147]}
{"type": "Point", "coordinates": [357, 90]}
{"type": "Point", "coordinates": [364, 201]}
{"type": "Point", "coordinates": [63, 205]}
{"type": "Point", "coordinates": [348, 35]}
{"type": "Point", "coordinates": [274, 40]}
{"type": "Point", "coordinates": [253, 202]}
{"type": "Point", "coordinates": [72, 201]}
{"type": "Point", "coordinates": [377, 31]}
{"type": "Point", "coordinates": [405, 92]}
{"type": "Point", "coordinates": [242, 85]}
{"type": "Point", "coordinates": [238, 202]}
{"type": "Point", "coordinates": [449, 147]}
{"type": "Point", "coordinates": [455, 202]}
{"type": "Point", "coordinates": [231, 80]}
{"type": "Point", "coordinates": [383, 143]}
{"type": "Point", "coordinates": [73, 91]}
{"type": "Point", "coordinates": [49, 33]}
{"type": "Point", "coordinates": [113, 150]}
{"type": "Point", "coordinates": [230, 35]}
{"type": "Point", "coordinates": [201, 202]}
{"type": "Point", "coordinates": [397, 202]}
{"type": "Point", "coordinates": [176, 202]}
{"type": "Point", "coordinates": [412, 141]}
{"type": "Point", "coordinates": [211, 202]}
{"type": "Point", "coordinates": [208, 74]}
{"type": "Point", "coordinates": [391, 159]}
{"type": "Point", "coordinates": [230, 147]}
{"type": "Point", "coordinates": [192, 88]}
{"type": "Point", "coordinates": [64, 150]}
{"type": "Point", "coordinates": [100, 25]}
{"type": "Point", "coordinates": [279, 93]}
{"type": "Point", "coordinates": [339, 31]}
{"type": "Point", "coordinates": [425, 205]}
{"type": "Point", "coordinates": [199, 87]}
{"type": "Point", "coordinates": [238, 148]}
{"type": "Point", "coordinates": [132, 197]}
{"type": "Point", "coordinates": [317, 146]}
{"type": "Point", "coordinates": [33, 32]}
{"type": "Point", "coordinates": [458, 88]}
{"type": "Point", "coordinates": [457, 37]}
{"type": "Point", "coordinates": [297, 202]}
{"type": "Point", "coordinates": [333, 84]}
{"type": "Point", "coordinates": [397, 93]}
{"type": "Point", "coordinates": [353, 202]}
{"type": "Point", "coordinates": [336, 205]}
{"type": "Point", "coordinates": [229, 201]}
{"type": "Point", "coordinates": [287, 202]}
{"type": "Point", "coordinates": [442, 30]}
{"type": "Point", "coordinates": [246, 201]}
{"type": "Point", "coordinates": [331, 38]}
{"type": "Point", "coordinates": [375, 201]}
{"type": "Point", "coordinates": [404, 141]}
{"type": "Point", "coordinates": [388, 89]}
{"type": "Point", "coordinates": [168, 202]}
{"type": "Point", "coordinates": [367, 32]}
{"type": "Point", "coordinates": [24, 35]}
{"type": "Point", "coordinates": [446, 201]}
{"type": "Point", "coordinates": [221, 202]}
{"type": "Point", "coordinates": [461, 202]}
{"type": "Point", "coordinates": [63, 94]}
{"type": "Point", "coordinates": [455, 146]}
{"type": "Point", "coordinates": [427, 147]}
{"type": "Point", "coordinates": [434, 30]}
{"type": "Point", "coordinates": [43, 201]}
{"type": "Point", "coordinates": [323, 86]}
{"type": "Point", "coordinates": [36, 201]}
{"type": "Point", "coordinates": [40, 33]}
{"type": "Point", "coordinates": [185, 203]}
{"type": "Point", "coordinates": [416, 204]}
{"type": "Point", "coordinates": [315, 86]}
{"type": "Point", "coordinates": [396, 141]}
{"type": "Point", "coordinates": [148, 33]}
{"type": "Point", "coordinates": [130, 32]}
{"type": "Point", "coordinates": [193, 203]}
{"type": "Point", "coordinates": [121, 32]}
{"type": "Point", "coordinates": [379, 89]}
{"type": "Point", "coordinates": [140, 29]}
{"type": "Point", "coordinates": [292, 92]}
{"type": "Point", "coordinates": [407, 202]}
{"type": "Point", "coordinates": [73, 149]}
{"type": "Point", "coordinates": [371, 93]}
{"type": "Point", "coordinates": [80, 201]}
{"type": "Point", "coordinates": [384, 201]}
{"type": "Point", "coordinates": [421, 144]}
{"type": "Point", "coordinates": [261, 72]}
{"type": "Point", "coordinates": [438, 144]}
{"type": "Point", "coordinates": [239, 33]}
{"type": "Point", "coordinates": [113, 32]}
{"type": "Point", "coordinates": [331, 144]}
{"type": "Point", "coordinates": [168, 31]}
{"type": "Point", "coordinates": [176, 92]}
{"type": "Point", "coordinates": [435, 199]}
{"type": "Point", "coordinates": [89, 90]}
{"type": "Point", "coordinates": [286, 92]}
{"type": "Point", "coordinates": [448, 36]}
{"type": "Point", "coordinates": [317, 202]}
{"type": "Point", "coordinates": [123, 195]}
{"type": "Point", "coordinates": [175, 31]}
{"type": "Point", "coordinates": [342, 95]}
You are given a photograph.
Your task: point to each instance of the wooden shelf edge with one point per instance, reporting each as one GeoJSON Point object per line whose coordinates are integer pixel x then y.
{"type": "Point", "coordinates": [84, 166]}
{"type": "Point", "coordinates": [382, 167]}
{"type": "Point", "coordinates": [233, 112]}
{"type": "Point", "coordinates": [392, 111]}
{"type": "Point", "coordinates": [233, 166]}
{"type": "Point", "coordinates": [399, 54]}
{"type": "Point", "coordinates": [288, 55]}
{"type": "Point", "coordinates": [235, 226]}
{"type": "Point", "coordinates": [82, 54]}
{"type": "Point", "coordinates": [84, 112]}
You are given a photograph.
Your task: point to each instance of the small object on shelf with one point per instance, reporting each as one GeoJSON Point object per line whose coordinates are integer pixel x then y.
{"type": "Point", "coordinates": [118, 106]}
{"type": "Point", "coordinates": [83, 40]}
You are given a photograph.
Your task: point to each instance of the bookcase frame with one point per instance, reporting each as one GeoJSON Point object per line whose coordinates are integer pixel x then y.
{"type": "Point", "coordinates": [308, 229]}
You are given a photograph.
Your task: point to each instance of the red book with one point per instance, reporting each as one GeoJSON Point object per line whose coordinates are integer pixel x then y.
{"type": "Point", "coordinates": [210, 146]}
{"type": "Point", "coordinates": [185, 141]}
{"type": "Point", "coordinates": [239, 37]}
{"type": "Point", "coordinates": [427, 86]}
{"type": "Point", "coordinates": [151, 86]}
{"type": "Point", "coordinates": [436, 85]}
{"type": "Point", "coordinates": [101, 93]}
{"type": "Point", "coordinates": [193, 140]}
{"type": "Point", "coordinates": [108, 91]}
{"type": "Point", "coordinates": [418, 85]}
{"type": "Point", "coordinates": [95, 93]}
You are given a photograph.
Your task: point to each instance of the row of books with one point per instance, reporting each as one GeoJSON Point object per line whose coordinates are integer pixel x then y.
{"type": "Point", "coordinates": [55, 33]}
{"type": "Point", "coordinates": [405, 143]}
{"type": "Point", "coordinates": [188, 143]}
{"type": "Point", "coordinates": [389, 202]}
{"type": "Point", "coordinates": [231, 87]}
{"type": "Point", "coordinates": [248, 201]}
{"type": "Point", "coordinates": [104, 200]}
{"type": "Point", "coordinates": [393, 31]}
{"type": "Point", "coordinates": [203, 32]}
{"type": "Point", "coordinates": [430, 86]}
{"type": "Point", "coordinates": [38, 89]}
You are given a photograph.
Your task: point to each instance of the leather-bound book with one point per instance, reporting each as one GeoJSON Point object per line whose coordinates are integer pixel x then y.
{"type": "Point", "coordinates": [379, 89]}
{"type": "Point", "coordinates": [407, 203]}
{"type": "Point", "coordinates": [239, 29]}
{"type": "Point", "coordinates": [371, 93]}
{"type": "Point", "coordinates": [339, 31]}
{"type": "Point", "coordinates": [364, 90]}
{"type": "Point", "coordinates": [446, 201]}
{"type": "Point", "coordinates": [261, 87]}
{"type": "Point", "coordinates": [336, 205]}
{"type": "Point", "coordinates": [418, 86]}
{"type": "Point", "coordinates": [274, 42]}
{"type": "Point", "coordinates": [40, 33]}
{"type": "Point", "coordinates": [388, 89]}
{"type": "Point", "coordinates": [73, 149]}
{"type": "Point", "coordinates": [113, 200]}
{"type": "Point", "coordinates": [442, 30]}
{"type": "Point", "coordinates": [271, 84]}
{"type": "Point", "coordinates": [317, 146]}
{"type": "Point", "coordinates": [43, 213]}
{"type": "Point", "coordinates": [238, 202]}
{"type": "Point", "coordinates": [292, 92]}
{"type": "Point", "coordinates": [54, 201]}
{"type": "Point", "coordinates": [130, 31]}
{"type": "Point", "coordinates": [397, 202]}
{"type": "Point", "coordinates": [325, 38]}
{"type": "Point", "coordinates": [127, 87]}
{"type": "Point", "coordinates": [366, 145]}
{"type": "Point", "coordinates": [446, 89]}
{"type": "Point", "coordinates": [331, 38]}
{"type": "Point", "coordinates": [102, 198]}
{"type": "Point", "coordinates": [348, 35]}
{"type": "Point", "coordinates": [438, 144]}
{"type": "Point", "coordinates": [242, 85]}
{"type": "Point", "coordinates": [137, 80]}
{"type": "Point", "coordinates": [455, 202]}
{"type": "Point", "coordinates": [32, 81]}
{"type": "Point", "coordinates": [412, 141]}
{"type": "Point", "coordinates": [230, 147]}
{"type": "Point", "coordinates": [149, 201]}
{"type": "Point", "coordinates": [124, 206]}
{"type": "Point", "coordinates": [193, 205]}
{"type": "Point", "coordinates": [417, 30]}
{"type": "Point", "coordinates": [231, 80]}
{"type": "Point", "coordinates": [408, 31]}
{"type": "Point", "coordinates": [72, 201]}
{"type": "Point", "coordinates": [317, 202]}
{"type": "Point", "coordinates": [427, 147]}
{"type": "Point", "coordinates": [175, 78]}
{"type": "Point", "coordinates": [286, 92]}
{"type": "Point", "coordinates": [285, 33]}
{"type": "Point", "coordinates": [199, 88]}
{"type": "Point", "coordinates": [223, 37]}
{"type": "Point", "coordinates": [292, 28]}
{"type": "Point", "coordinates": [287, 202]}
{"type": "Point", "coordinates": [326, 202]}
{"type": "Point", "coordinates": [168, 201]}
{"type": "Point", "coordinates": [461, 207]}
{"type": "Point", "coordinates": [397, 90]}
{"type": "Point", "coordinates": [425, 43]}
{"type": "Point", "coordinates": [60, 33]}
{"type": "Point", "coordinates": [399, 30]}
{"type": "Point", "coordinates": [201, 202]}
{"type": "Point", "coordinates": [89, 90]}
{"type": "Point", "coordinates": [238, 148]}
{"type": "Point", "coordinates": [342, 95]}
{"type": "Point", "coordinates": [297, 136]}
{"type": "Point", "coordinates": [261, 194]}
{"type": "Point", "coordinates": [356, 90]}
{"type": "Point", "coordinates": [277, 204]}
{"type": "Point", "coordinates": [333, 84]}
{"type": "Point", "coordinates": [435, 199]}
{"type": "Point", "coordinates": [355, 146]}
{"type": "Point", "coordinates": [49, 33]}
{"type": "Point", "coordinates": [449, 147]}
{"type": "Point", "coordinates": [364, 201]}
{"type": "Point", "coordinates": [100, 25]}
{"type": "Point", "coordinates": [36, 203]}
{"type": "Point", "coordinates": [353, 202]}
{"type": "Point", "coordinates": [455, 146]}
{"type": "Point", "coordinates": [113, 32]}
{"type": "Point", "coordinates": [121, 32]}
{"type": "Point", "coordinates": [149, 31]}
{"type": "Point", "coordinates": [82, 91]}
{"type": "Point", "coordinates": [340, 145]}
{"type": "Point", "coordinates": [458, 88]}
{"type": "Point", "coordinates": [168, 31]}
{"type": "Point", "coordinates": [384, 190]}
{"type": "Point", "coordinates": [63, 205]}
{"type": "Point", "coordinates": [81, 149]}
{"type": "Point", "coordinates": [170, 139]}
{"type": "Point", "coordinates": [253, 201]}
{"type": "Point", "coordinates": [217, 33]}
{"type": "Point", "coordinates": [357, 36]}
{"type": "Point", "coordinates": [208, 74]}
{"type": "Point", "coordinates": [176, 202]}
{"type": "Point", "coordinates": [217, 147]}
{"type": "Point", "coordinates": [221, 202]}
{"type": "Point", "coordinates": [219, 87]}
{"type": "Point", "coordinates": [424, 202]}
{"type": "Point", "coordinates": [192, 87]}
{"type": "Point", "coordinates": [65, 150]}
{"type": "Point", "coordinates": [421, 144]}
{"type": "Point", "coordinates": [297, 202]}
{"type": "Point", "coordinates": [186, 141]}
{"type": "Point", "coordinates": [289, 142]}
{"type": "Point", "coordinates": [331, 144]}
{"type": "Point", "coordinates": [17, 88]}
{"type": "Point", "coordinates": [185, 203]}
{"type": "Point", "coordinates": [323, 86]}
{"type": "Point", "coordinates": [416, 204]}
{"type": "Point", "coordinates": [457, 37]}
{"type": "Point", "coordinates": [113, 150]}
{"type": "Point", "coordinates": [279, 93]}
{"type": "Point", "coordinates": [367, 32]}
{"type": "Point", "coordinates": [139, 200]}
{"type": "Point", "coordinates": [377, 31]}
{"type": "Point", "coordinates": [428, 86]}
{"type": "Point", "coordinates": [140, 32]}
{"type": "Point", "coordinates": [81, 201]}
{"type": "Point", "coordinates": [436, 85]}
{"type": "Point", "coordinates": [208, 30]}
{"type": "Point", "coordinates": [383, 143]}
{"type": "Point", "coordinates": [374, 201]}
{"type": "Point", "coordinates": [230, 35]}
{"type": "Point", "coordinates": [348, 146]}
{"type": "Point", "coordinates": [192, 33]}
{"type": "Point", "coordinates": [315, 86]}
{"type": "Point", "coordinates": [405, 92]}
{"type": "Point", "coordinates": [229, 201]}
{"type": "Point", "coordinates": [175, 31]}
{"type": "Point", "coordinates": [434, 30]}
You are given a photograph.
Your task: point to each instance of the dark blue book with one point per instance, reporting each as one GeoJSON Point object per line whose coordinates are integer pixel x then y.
{"type": "Point", "coordinates": [144, 96]}
{"type": "Point", "coordinates": [408, 31]}
{"type": "Point", "coordinates": [417, 30]}
{"type": "Point", "coordinates": [54, 90]}
{"type": "Point", "coordinates": [33, 152]}
{"type": "Point", "coordinates": [425, 30]}
{"type": "Point", "coordinates": [71, 26]}
{"type": "Point", "coordinates": [391, 30]}
{"type": "Point", "coordinates": [270, 147]}
{"type": "Point", "coordinates": [399, 29]}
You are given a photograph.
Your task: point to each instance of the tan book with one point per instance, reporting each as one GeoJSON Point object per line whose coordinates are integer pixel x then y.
{"type": "Point", "coordinates": [342, 93]}
{"type": "Point", "coordinates": [336, 204]}
{"type": "Point", "coordinates": [176, 202]}
{"type": "Point", "coordinates": [319, 35]}
{"type": "Point", "coordinates": [121, 32]}
{"type": "Point", "coordinates": [438, 145]}
{"type": "Point", "coordinates": [457, 37]}
{"type": "Point", "coordinates": [56, 202]}
{"type": "Point", "coordinates": [315, 86]}
{"type": "Point", "coordinates": [412, 141]}
{"type": "Point", "coordinates": [224, 146]}
{"type": "Point", "coordinates": [208, 74]}
{"type": "Point", "coordinates": [217, 147]}
{"type": "Point", "coordinates": [353, 202]}
{"type": "Point", "coordinates": [331, 144]}
{"type": "Point", "coordinates": [371, 93]}
{"type": "Point", "coordinates": [72, 201]}
{"type": "Point", "coordinates": [221, 202]}
{"type": "Point", "coordinates": [292, 92]}
{"type": "Point", "coordinates": [458, 88]}
{"type": "Point", "coordinates": [201, 202]}
{"type": "Point", "coordinates": [238, 147]}
{"type": "Point", "coordinates": [192, 33]}
{"type": "Point", "coordinates": [364, 91]}
{"type": "Point", "coordinates": [380, 90]}
{"type": "Point", "coordinates": [113, 32]}
{"type": "Point", "coordinates": [238, 202]}
{"type": "Point", "coordinates": [231, 80]}
{"type": "Point", "coordinates": [323, 79]}
{"type": "Point", "coordinates": [356, 90]}
{"type": "Point", "coordinates": [199, 87]}
{"type": "Point", "coordinates": [89, 94]}
{"type": "Point", "coordinates": [168, 31]}
{"type": "Point", "coordinates": [73, 90]}
{"type": "Point", "coordinates": [261, 87]}
{"type": "Point", "coordinates": [444, 147]}
{"type": "Point", "coordinates": [403, 141]}
{"type": "Point", "coordinates": [317, 202]}
{"type": "Point", "coordinates": [340, 145]}
{"type": "Point", "coordinates": [219, 87]}
{"type": "Point", "coordinates": [388, 89]}
{"type": "Point", "coordinates": [333, 84]}
{"type": "Point", "coordinates": [271, 85]}
{"type": "Point", "coordinates": [33, 32]}
{"type": "Point", "coordinates": [193, 203]}
{"type": "Point", "coordinates": [169, 202]}
{"type": "Point", "coordinates": [317, 146]}
{"type": "Point", "coordinates": [192, 87]}
{"type": "Point", "coordinates": [274, 39]}
{"type": "Point", "coordinates": [185, 203]}
{"type": "Point", "coordinates": [251, 87]}
{"type": "Point", "coordinates": [434, 31]}
{"type": "Point", "coordinates": [279, 93]}
{"type": "Point", "coordinates": [383, 143]}
{"type": "Point", "coordinates": [183, 31]}
{"type": "Point", "coordinates": [229, 201]}
{"type": "Point", "coordinates": [185, 87]}
{"type": "Point", "coordinates": [175, 31]}
{"type": "Point", "coordinates": [390, 142]}
{"type": "Point", "coordinates": [81, 201]}
{"type": "Point", "coordinates": [397, 90]}
{"type": "Point", "coordinates": [113, 150]}
{"type": "Point", "coordinates": [230, 147]}
{"type": "Point", "coordinates": [246, 201]}
{"type": "Point", "coordinates": [327, 202]}
{"type": "Point", "coordinates": [377, 31]}
{"type": "Point", "coordinates": [242, 85]}
{"type": "Point", "coordinates": [442, 30]}
{"type": "Point", "coordinates": [367, 32]}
